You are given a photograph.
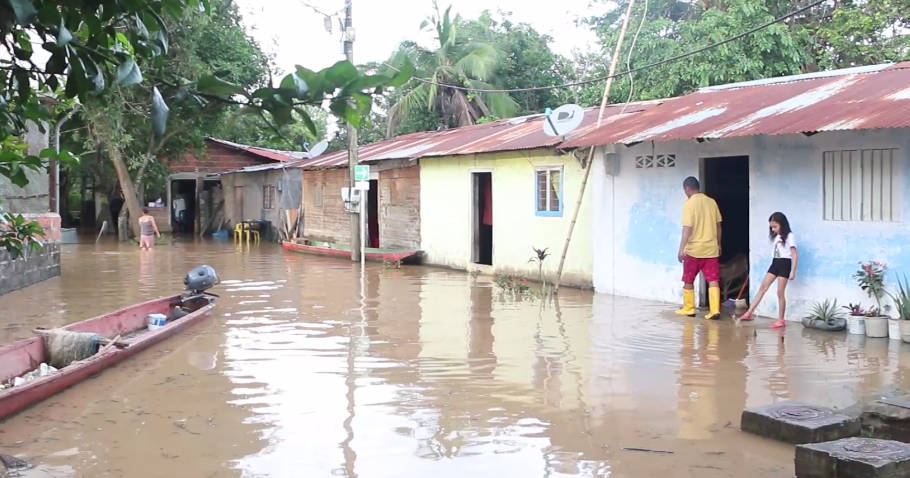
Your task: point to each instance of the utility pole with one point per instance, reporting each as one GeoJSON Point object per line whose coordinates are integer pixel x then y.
{"type": "Point", "coordinates": [352, 136]}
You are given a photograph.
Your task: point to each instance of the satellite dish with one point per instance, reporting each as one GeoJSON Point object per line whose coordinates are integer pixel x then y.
{"type": "Point", "coordinates": [563, 120]}
{"type": "Point", "coordinates": [319, 148]}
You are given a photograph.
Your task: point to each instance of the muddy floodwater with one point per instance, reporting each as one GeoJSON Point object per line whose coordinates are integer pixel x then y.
{"type": "Point", "coordinates": [305, 371]}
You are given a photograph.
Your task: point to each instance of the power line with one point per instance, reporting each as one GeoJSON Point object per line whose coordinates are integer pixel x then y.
{"type": "Point", "coordinates": [627, 72]}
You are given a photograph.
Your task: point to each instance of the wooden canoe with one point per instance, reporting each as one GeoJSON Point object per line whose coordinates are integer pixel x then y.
{"type": "Point", "coordinates": [372, 254]}
{"type": "Point", "coordinates": [131, 323]}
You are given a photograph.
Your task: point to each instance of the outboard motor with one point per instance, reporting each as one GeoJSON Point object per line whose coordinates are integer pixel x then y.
{"type": "Point", "coordinates": [198, 281]}
{"type": "Point", "coordinates": [201, 279]}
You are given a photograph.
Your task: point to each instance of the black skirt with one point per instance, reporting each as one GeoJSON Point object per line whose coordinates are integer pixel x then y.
{"type": "Point", "coordinates": [781, 267]}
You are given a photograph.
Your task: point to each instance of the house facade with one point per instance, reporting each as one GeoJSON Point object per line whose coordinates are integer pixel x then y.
{"type": "Point", "coordinates": [194, 184]}
{"type": "Point", "coordinates": [490, 211]}
{"type": "Point", "coordinates": [828, 150]}
{"type": "Point", "coordinates": [483, 197]}
{"type": "Point", "coordinates": [268, 192]}
{"type": "Point", "coordinates": [393, 201]}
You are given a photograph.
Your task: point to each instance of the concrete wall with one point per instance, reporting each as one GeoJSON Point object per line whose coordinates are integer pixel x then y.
{"type": "Point", "coordinates": [637, 218]}
{"type": "Point", "coordinates": [252, 184]}
{"type": "Point", "coordinates": [34, 197]}
{"type": "Point", "coordinates": [446, 198]}
{"type": "Point", "coordinates": [38, 264]}
{"type": "Point", "coordinates": [399, 208]}
{"type": "Point", "coordinates": [325, 221]}
{"type": "Point", "coordinates": [33, 202]}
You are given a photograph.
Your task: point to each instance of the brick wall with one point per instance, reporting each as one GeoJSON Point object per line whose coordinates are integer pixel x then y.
{"type": "Point", "coordinates": [218, 159]}
{"type": "Point", "coordinates": [37, 265]}
{"type": "Point", "coordinates": [161, 218]}
{"type": "Point", "coordinates": [329, 221]}
{"type": "Point", "coordinates": [399, 208]}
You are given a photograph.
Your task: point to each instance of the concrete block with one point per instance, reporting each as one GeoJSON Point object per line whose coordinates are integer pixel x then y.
{"type": "Point", "coordinates": [797, 423]}
{"type": "Point", "coordinates": [887, 419]}
{"type": "Point", "coordinates": [853, 458]}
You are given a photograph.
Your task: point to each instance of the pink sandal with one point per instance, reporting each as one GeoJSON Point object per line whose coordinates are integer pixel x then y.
{"type": "Point", "coordinates": [746, 317]}
{"type": "Point", "coordinates": [778, 324]}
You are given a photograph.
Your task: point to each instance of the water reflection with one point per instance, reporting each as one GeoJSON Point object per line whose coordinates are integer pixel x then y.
{"type": "Point", "coordinates": [313, 368]}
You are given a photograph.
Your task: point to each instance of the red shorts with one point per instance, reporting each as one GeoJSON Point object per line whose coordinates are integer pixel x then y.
{"type": "Point", "coordinates": [709, 266]}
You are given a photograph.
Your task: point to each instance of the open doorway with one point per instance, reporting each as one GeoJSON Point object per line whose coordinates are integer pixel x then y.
{"type": "Point", "coordinates": [373, 215]}
{"type": "Point", "coordinates": [482, 218]}
{"type": "Point", "coordinates": [183, 205]}
{"type": "Point", "coordinates": [726, 180]}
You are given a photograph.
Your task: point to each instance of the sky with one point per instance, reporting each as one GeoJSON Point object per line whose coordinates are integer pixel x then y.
{"type": "Point", "coordinates": [297, 36]}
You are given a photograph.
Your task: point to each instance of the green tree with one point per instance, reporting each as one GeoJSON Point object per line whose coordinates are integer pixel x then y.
{"type": "Point", "coordinates": [254, 131]}
{"type": "Point", "coordinates": [98, 44]}
{"type": "Point", "coordinates": [526, 61]}
{"type": "Point", "coordinates": [457, 61]}
{"type": "Point", "coordinates": [821, 38]}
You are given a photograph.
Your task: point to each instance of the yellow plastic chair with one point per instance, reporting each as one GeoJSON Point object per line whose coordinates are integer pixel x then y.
{"type": "Point", "coordinates": [252, 232]}
{"type": "Point", "coordinates": [238, 232]}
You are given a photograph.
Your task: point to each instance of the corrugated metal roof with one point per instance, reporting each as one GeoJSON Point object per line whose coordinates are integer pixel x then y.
{"type": "Point", "coordinates": [267, 167]}
{"type": "Point", "coordinates": [265, 153]}
{"type": "Point", "coordinates": [513, 134]}
{"type": "Point", "coordinates": [856, 98]}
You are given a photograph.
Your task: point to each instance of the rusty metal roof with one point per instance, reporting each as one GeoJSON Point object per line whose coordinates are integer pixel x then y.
{"type": "Point", "coordinates": [869, 97]}
{"type": "Point", "coordinates": [513, 134]}
{"type": "Point", "coordinates": [265, 153]}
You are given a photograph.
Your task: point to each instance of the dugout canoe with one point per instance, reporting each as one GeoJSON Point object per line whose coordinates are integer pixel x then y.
{"type": "Point", "coordinates": [372, 254]}
{"type": "Point", "coordinates": [129, 323]}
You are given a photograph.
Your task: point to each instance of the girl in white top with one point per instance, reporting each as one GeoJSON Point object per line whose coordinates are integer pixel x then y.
{"type": "Point", "coordinates": [783, 266]}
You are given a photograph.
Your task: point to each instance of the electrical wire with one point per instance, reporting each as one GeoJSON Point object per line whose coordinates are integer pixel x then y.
{"type": "Point", "coordinates": [644, 15]}
{"type": "Point", "coordinates": [629, 71]}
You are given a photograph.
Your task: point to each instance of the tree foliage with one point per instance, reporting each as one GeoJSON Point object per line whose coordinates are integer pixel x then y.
{"type": "Point", "coordinates": [831, 35]}
{"type": "Point", "coordinates": [458, 60]}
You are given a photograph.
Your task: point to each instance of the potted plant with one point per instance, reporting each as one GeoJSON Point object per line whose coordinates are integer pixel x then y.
{"type": "Point", "coordinates": [902, 304]}
{"type": "Point", "coordinates": [856, 319]}
{"type": "Point", "coordinates": [871, 279]}
{"type": "Point", "coordinates": [825, 316]}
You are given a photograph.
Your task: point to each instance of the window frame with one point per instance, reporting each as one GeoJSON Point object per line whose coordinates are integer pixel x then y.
{"type": "Point", "coordinates": [562, 181]}
{"type": "Point", "coordinates": [857, 185]}
{"type": "Point", "coordinates": [268, 196]}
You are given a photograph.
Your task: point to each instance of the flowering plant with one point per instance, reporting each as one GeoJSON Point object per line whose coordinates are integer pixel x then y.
{"type": "Point", "coordinates": [871, 279]}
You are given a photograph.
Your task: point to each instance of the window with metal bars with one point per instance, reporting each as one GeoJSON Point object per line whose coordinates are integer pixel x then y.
{"type": "Point", "coordinates": [268, 197]}
{"type": "Point", "coordinates": [862, 185]}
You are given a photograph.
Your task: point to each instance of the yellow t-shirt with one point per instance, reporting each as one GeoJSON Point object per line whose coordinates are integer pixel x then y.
{"type": "Point", "coordinates": [701, 214]}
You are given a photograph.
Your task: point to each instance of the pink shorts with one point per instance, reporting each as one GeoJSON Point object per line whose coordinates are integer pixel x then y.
{"type": "Point", "coordinates": [709, 266]}
{"type": "Point", "coordinates": [147, 241]}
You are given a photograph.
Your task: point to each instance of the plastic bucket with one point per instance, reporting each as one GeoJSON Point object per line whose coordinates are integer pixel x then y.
{"type": "Point", "coordinates": [156, 321]}
{"type": "Point", "coordinates": [876, 327]}
{"type": "Point", "coordinates": [894, 329]}
{"type": "Point", "coordinates": [856, 325]}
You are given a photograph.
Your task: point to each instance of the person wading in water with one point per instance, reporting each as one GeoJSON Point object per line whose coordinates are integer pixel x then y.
{"type": "Point", "coordinates": [699, 249]}
{"type": "Point", "coordinates": [148, 230]}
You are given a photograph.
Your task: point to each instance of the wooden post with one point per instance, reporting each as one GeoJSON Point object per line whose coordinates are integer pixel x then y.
{"type": "Point", "coordinates": [600, 116]}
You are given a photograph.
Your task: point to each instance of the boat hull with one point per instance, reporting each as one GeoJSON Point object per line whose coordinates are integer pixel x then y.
{"type": "Point", "coordinates": [28, 354]}
{"type": "Point", "coordinates": [372, 255]}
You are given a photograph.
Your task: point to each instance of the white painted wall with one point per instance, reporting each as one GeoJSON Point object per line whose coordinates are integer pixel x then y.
{"type": "Point", "coordinates": [446, 215]}
{"type": "Point", "coordinates": [637, 218]}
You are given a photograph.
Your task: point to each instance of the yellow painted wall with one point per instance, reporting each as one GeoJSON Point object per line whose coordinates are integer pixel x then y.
{"type": "Point", "coordinates": [445, 214]}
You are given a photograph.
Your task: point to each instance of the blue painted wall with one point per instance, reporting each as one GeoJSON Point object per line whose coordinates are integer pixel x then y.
{"type": "Point", "coordinates": [637, 218]}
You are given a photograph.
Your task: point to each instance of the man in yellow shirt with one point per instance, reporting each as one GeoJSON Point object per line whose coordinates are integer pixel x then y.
{"type": "Point", "coordinates": [699, 249]}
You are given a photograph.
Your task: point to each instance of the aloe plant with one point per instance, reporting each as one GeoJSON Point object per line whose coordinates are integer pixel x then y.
{"type": "Point", "coordinates": [902, 298]}
{"type": "Point", "coordinates": [826, 311]}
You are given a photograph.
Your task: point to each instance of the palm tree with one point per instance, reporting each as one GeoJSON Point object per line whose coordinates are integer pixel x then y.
{"type": "Point", "coordinates": [457, 61]}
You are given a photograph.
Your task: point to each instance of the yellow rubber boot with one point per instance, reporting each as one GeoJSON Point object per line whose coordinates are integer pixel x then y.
{"type": "Point", "coordinates": [713, 303]}
{"type": "Point", "coordinates": [688, 308]}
